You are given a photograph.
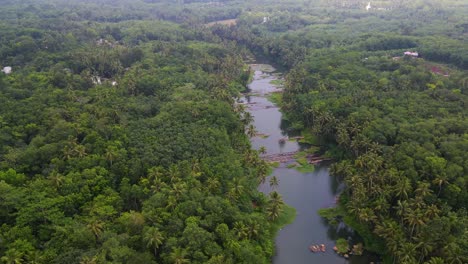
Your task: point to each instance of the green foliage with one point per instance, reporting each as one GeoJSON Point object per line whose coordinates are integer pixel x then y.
{"type": "Point", "coordinates": [303, 161]}
{"type": "Point", "coordinates": [120, 140]}
{"type": "Point", "coordinates": [275, 98]}
{"type": "Point", "coordinates": [342, 246]}
{"type": "Point", "coordinates": [397, 124]}
{"type": "Point", "coordinates": [285, 218]}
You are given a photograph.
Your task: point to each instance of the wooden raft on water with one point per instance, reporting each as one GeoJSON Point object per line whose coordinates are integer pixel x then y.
{"type": "Point", "coordinates": [280, 157]}
{"type": "Point", "coordinates": [290, 156]}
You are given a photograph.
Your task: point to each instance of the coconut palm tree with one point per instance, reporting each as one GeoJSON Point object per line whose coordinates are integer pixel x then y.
{"type": "Point", "coordinates": [251, 131]}
{"type": "Point", "coordinates": [435, 260]}
{"type": "Point", "coordinates": [157, 185]}
{"type": "Point", "coordinates": [414, 218]}
{"type": "Point", "coordinates": [407, 252]}
{"type": "Point", "coordinates": [248, 118]}
{"type": "Point", "coordinates": [366, 215]}
{"type": "Point", "coordinates": [237, 187]}
{"type": "Point", "coordinates": [403, 187]}
{"type": "Point", "coordinates": [275, 205]}
{"type": "Point", "coordinates": [213, 184]}
{"type": "Point", "coordinates": [431, 211]}
{"type": "Point", "coordinates": [440, 180]}
{"type": "Point", "coordinates": [178, 256]}
{"type": "Point", "coordinates": [178, 189]}
{"type": "Point", "coordinates": [253, 229]}
{"type": "Point", "coordinates": [262, 172]}
{"type": "Point", "coordinates": [171, 202]}
{"type": "Point", "coordinates": [97, 228]}
{"type": "Point", "coordinates": [401, 209]}
{"type": "Point", "coordinates": [425, 247]}
{"type": "Point", "coordinates": [423, 190]}
{"type": "Point", "coordinates": [111, 154]}
{"type": "Point", "coordinates": [12, 256]}
{"type": "Point", "coordinates": [241, 230]}
{"type": "Point", "coordinates": [56, 179]}
{"type": "Point", "coordinates": [89, 260]}
{"type": "Point", "coordinates": [274, 182]}
{"type": "Point", "coordinates": [262, 150]}
{"type": "Point", "coordinates": [153, 239]}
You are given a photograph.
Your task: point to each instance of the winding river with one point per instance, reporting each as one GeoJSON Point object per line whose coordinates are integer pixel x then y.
{"type": "Point", "coordinates": [306, 192]}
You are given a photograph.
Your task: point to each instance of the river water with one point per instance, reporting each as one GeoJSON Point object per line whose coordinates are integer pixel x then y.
{"type": "Point", "coordinates": [306, 192]}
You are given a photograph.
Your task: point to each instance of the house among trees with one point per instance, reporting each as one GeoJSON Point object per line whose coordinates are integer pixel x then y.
{"type": "Point", "coordinates": [411, 54]}
{"type": "Point", "coordinates": [7, 70]}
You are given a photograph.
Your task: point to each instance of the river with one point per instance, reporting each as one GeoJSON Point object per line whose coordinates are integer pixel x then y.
{"type": "Point", "coordinates": [306, 192]}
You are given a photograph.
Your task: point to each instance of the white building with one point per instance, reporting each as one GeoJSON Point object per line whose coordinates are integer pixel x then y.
{"type": "Point", "coordinates": [7, 70]}
{"type": "Point", "coordinates": [411, 54]}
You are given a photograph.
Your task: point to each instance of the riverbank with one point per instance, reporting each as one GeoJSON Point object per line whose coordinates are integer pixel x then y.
{"type": "Point", "coordinates": [285, 218]}
{"type": "Point", "coordinates": [304, 192]}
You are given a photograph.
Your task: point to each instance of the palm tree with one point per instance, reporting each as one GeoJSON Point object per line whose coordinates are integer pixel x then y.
{"type": "Point", "coordinates": [248, 118]}
{"type": "Point", "coordinates": [218, 259]}
{"type": "Point", "coordinates": [195, 170]}
{"type": "Point", "coordinates": [366, 215]}
{"type": "Point", "coordinates": [178, 189]}
{"type": "Point", "coordinates": [153, 239]}
{"type": "Point", "coordinates": [262, 150]}
{"type": "Point", "coordinates": [440, 180]}
{"type": "Point", "coordinates": [407, 252]}
{"type": "Point", "coordinates": [432, 211]}
{"type": "Point", "coordinates": [12, 256]}
{"type": "Point", "coordinates": [173, 173]}
{"type": "Point", "coordinates": [423, 190]}
{"type": "Point", "coordinates": [435, 260]}
{"type": "Point", "coordinates": [425, 247]}
{"type": "Point", "coordinates": [401, 208]}
{"type": "Point", "coordinates": [237, 187]}
{"type": "Point", "coordinates": [262, 172]}
{"type": "Point", "coordinates": [275, 205]}
{"type": "Point", "coordinates": [97, 228]}
{"type": "Point", "coordinates": [403, 187]}
{"type": "Point", "coordinates": [273, 212]}
{"type": "Point", "coordinates": [414, 218]}
{"type": "Point", "coordinates": [251, 131]}
{"type": "Point", "coordinates": [231, 195]}
{"type": "Point", "coordinates": [388, 229]}
{"type": "Point", "coordinates": [171, 202]}
{"type": "Point", "coordinates": [157, 185]}
{"type": "Point", "coordinates": [342, 169]}
{"type": "Point", "coordinates": [253, 228]}
{"type": "Point", "coordinates": [212, 184]}
{"type": "Point", "coordinates": [35, 257]}
{"type": "Point", "coordinates": [155, 173]}
{"type": "Point", "coordinates": [454, 254]}
{"type": "Point", "coordinates": [241, 230]}
{"type": "Point", "coordinates": [80, 151]}
{"type": "Point", "coordinates": [274, 182]}
{"type": "Point", "coordinates": [111, 154]}
{"type": "Point", "coordinates": [56, 179]}
{"type": "Point", "coordinates": [88, 260]}
{"type": "Point", "coordinates": [178, 256]}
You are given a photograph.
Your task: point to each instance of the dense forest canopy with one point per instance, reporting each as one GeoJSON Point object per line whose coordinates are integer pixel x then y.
{"type": "Point", "coordinates": [396, 123]}
{"type": "Point", "coordinates": [120, 139]}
